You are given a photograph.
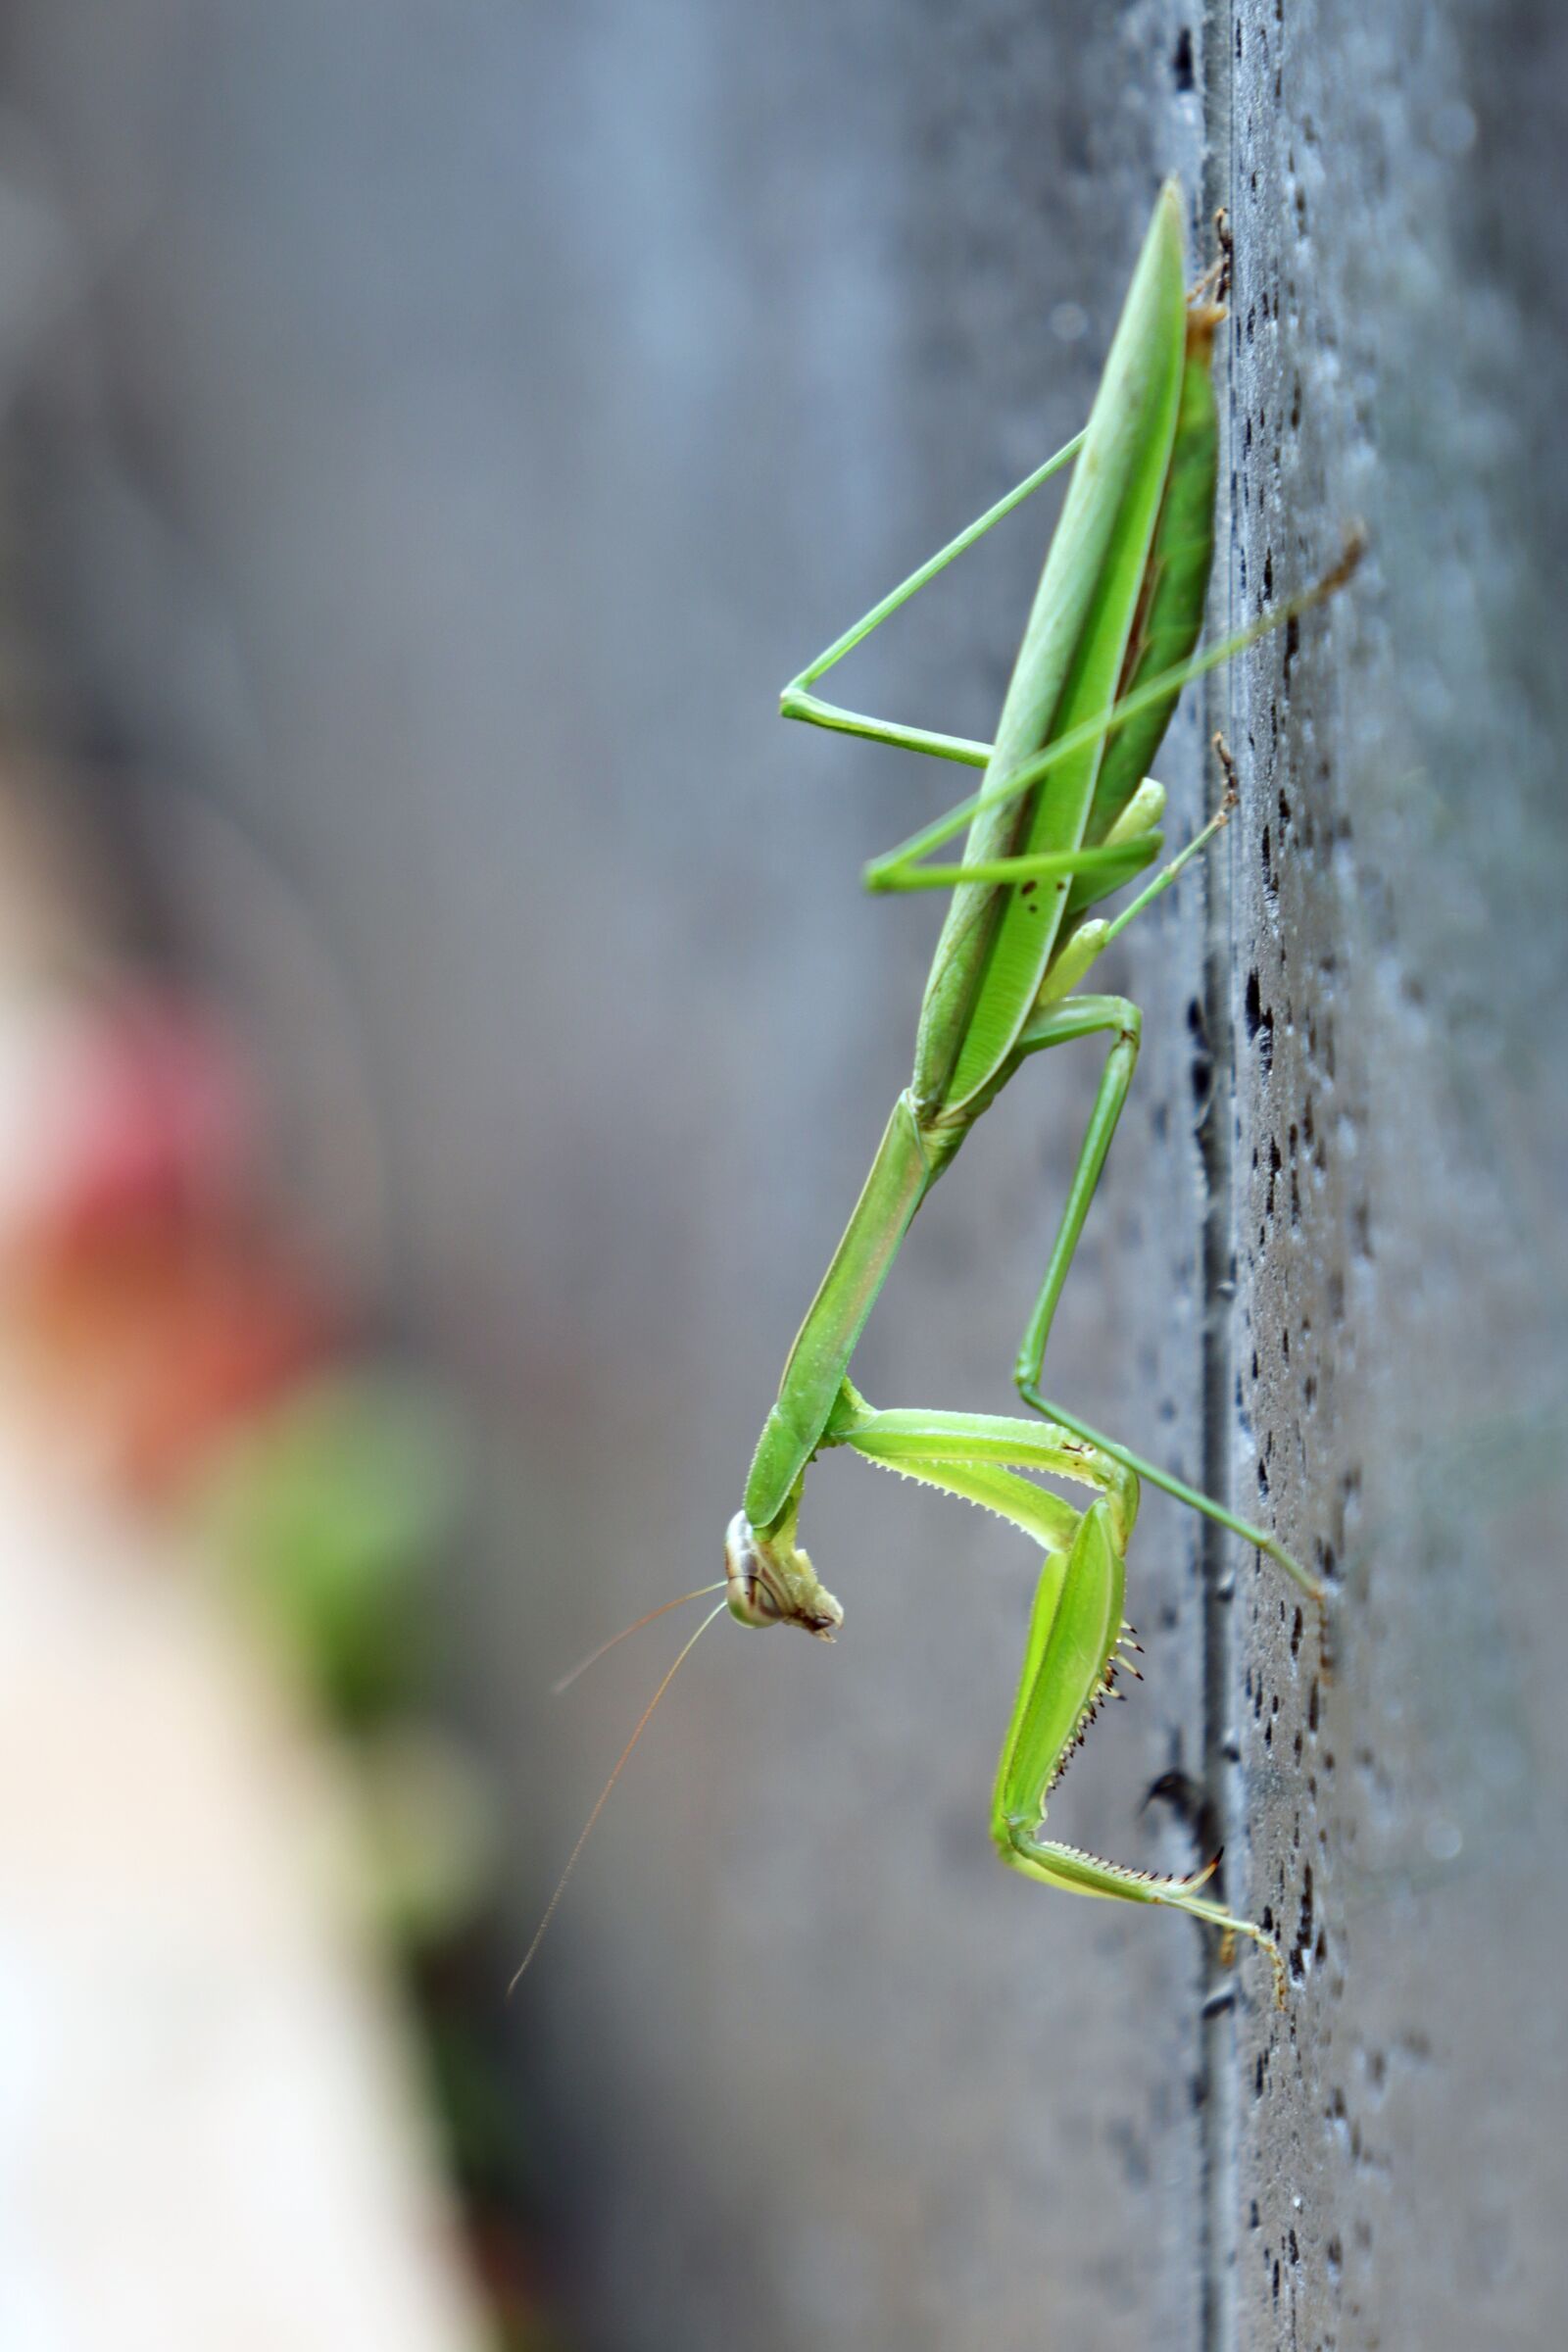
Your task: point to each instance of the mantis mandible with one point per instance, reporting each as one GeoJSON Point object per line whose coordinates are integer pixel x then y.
{"type": "Point", "coordinates": [1066, 814]}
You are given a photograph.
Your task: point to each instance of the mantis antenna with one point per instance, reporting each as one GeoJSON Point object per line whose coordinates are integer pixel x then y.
{"type": "Point", "coordinates": [603, 1794]}
{"type": "Point", "coordinates": [699, 1593]}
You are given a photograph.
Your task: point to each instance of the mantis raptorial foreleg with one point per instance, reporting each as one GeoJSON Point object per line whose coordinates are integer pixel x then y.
{"type": "Point", "coordinates": [1078, 1639]}
{"type": "Point", "coordinates": [1077, 1609]}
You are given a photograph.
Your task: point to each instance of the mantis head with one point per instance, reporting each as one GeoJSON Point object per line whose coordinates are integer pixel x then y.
{"type": "Point", "coordinates": [771, 1581]}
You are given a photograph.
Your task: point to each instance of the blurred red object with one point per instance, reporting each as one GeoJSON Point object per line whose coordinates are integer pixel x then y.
{"type": "Point", "coordinates": [151, 1123]}
{"type": "Point", "coordinates": [142, 1276]}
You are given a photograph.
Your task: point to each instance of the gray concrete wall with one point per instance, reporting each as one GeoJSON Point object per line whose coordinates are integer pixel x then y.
{"type": "Point", "coordinates": [459, 423]}
{"type": "Point", "coordinates": [1395, 977]}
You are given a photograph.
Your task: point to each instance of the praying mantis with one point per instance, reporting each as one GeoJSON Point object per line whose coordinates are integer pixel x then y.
{"type": "Point", "coordinates": [1065, 816]}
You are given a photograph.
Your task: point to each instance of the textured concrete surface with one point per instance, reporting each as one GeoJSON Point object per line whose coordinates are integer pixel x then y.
{"type": "Point", "coordinates": [459, 432]}
{"type": "Point", "coordinates": [1388, 2158]}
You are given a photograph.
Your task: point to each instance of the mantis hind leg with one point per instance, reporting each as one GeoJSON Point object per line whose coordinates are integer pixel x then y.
{"type": "Point", "coordinates": [799, 702]}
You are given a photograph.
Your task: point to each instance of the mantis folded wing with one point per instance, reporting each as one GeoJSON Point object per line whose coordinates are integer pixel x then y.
{"type": "Point", "coordinates": [1066, 815]}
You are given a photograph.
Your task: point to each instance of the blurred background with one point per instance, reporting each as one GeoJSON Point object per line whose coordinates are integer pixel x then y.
{"type": "Point", "coordinates": [441, 1037]}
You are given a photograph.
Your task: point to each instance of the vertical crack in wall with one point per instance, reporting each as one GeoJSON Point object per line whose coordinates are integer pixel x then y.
{"type": "Point", "coordinates": [1217, 2037]}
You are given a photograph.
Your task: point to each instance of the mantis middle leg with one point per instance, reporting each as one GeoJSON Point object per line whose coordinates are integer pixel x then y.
{"type": "Point", "coordinates": [1054, 1025]}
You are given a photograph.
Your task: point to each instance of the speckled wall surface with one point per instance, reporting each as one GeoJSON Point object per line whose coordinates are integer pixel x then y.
{"type": "Point", "coordinates": [464, 421]}
{"type": "Point", "coordinates": [1392, 985]}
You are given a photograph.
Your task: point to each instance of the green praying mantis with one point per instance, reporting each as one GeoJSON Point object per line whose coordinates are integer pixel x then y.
{"type": "Point", "coordinates": [1067, 816]}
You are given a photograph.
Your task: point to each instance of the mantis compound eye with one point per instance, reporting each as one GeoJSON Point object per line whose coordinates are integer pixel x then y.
{"type": "Point", "coordinates": [749, 1599]}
